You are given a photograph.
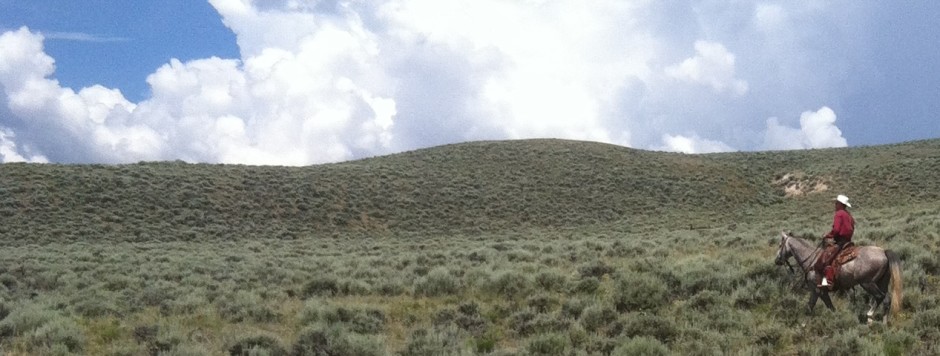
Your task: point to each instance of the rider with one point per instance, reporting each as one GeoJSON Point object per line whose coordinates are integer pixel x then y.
{"type": "Point", "coordinates": [843, 226]}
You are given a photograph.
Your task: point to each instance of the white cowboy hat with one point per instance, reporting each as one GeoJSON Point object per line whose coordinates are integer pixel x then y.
{"type": "Point", "coordinates": [843, 199]}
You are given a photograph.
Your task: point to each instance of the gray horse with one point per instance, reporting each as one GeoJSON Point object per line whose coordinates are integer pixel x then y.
{"type": "Point", "coordinates": [874, 269]}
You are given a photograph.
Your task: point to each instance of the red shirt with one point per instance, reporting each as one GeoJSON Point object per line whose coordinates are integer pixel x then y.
{"type": "Point", "coordinates": [843, 225]}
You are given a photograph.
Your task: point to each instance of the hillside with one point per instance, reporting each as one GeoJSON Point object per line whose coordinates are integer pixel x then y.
{"type": "Point", "coordinates": [480, 186]}
{"type": "Point", "coordinates": [535, 247]}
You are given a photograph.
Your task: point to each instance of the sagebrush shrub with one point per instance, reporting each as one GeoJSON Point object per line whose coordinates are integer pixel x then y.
{"type": "Point", "coordinates": [596, 317]}
{"type": "Point", "coordinates": [59, 331]}
{"type": "Point", "coordinates": [705, 300]}
{"type": "Point", "coordinates": [520, 322]}
{"type": "Point", "coordinates": [4, 309]}
{"type": "Point", "coordinates": [321, 286]}
{"type": "Point", "coordinates": [318, 340]}
{"type": "Point", "coordinates": [849, 343]}
{"type": "Point", "coordinates": [550, 280]}
{"type": "Point", "coordinates": [542, 303]}
{"type": "Point", "coordinates": [437, 282]}
{"type": "Point", "coordinates": [642, 345]}
{"type": "Point", "coordinates": [510, 284]}
{"type": "Point", "coordinates": [927, 321]}
{"type": "Point", "coordinates": [246, 306]}
{"type": "Point", "coordinates": [363, 320]}
{"type": "Point", "coordinates": [548, 345]}
{"type": "Point", "coordinates": [652, 325]}
{"type": "Point", "coordinates": [572, 308]}
{"type": "Point", "coordinates": [898, 343]}
{"type": "Point", "coordinates": [595, 268]}
{"type": "Point", "coordinates": [25, 318]}
{"type": "Point", "coordinates": [639, 292]}
{"type": "Point", "coordinates": [433, 342]}
{"type": "Point", "coordinates": [256, 345]}
{"type": "Point", "coordinates": [587, 285]}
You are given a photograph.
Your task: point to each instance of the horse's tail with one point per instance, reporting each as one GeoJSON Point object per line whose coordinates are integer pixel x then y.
{"type": "Point", "coordinates": [894, 263]}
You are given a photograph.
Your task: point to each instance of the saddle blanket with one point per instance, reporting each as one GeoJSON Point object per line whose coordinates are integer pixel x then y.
{"type": "Point", "coordinates": [848, 253]}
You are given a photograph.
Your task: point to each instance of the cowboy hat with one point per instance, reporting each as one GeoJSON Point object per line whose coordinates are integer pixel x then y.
{"type": "Point", "coordinates": [843, 199]}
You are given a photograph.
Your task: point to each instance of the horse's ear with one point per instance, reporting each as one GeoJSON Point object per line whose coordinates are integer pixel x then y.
{"type": "Point", "coordinates": [784, 234]}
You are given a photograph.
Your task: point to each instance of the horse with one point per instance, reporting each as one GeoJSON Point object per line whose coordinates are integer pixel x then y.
{"type": "Point", "coordinates": [874, 270]}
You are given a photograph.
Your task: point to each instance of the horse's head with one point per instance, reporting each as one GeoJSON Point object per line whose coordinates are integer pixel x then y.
{"type": "Point", "coordinates": [783, 252]}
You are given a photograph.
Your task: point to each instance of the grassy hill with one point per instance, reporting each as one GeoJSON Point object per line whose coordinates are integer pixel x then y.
{"type": "Point", "coordinates": [533, 247]}
{"type": "Point", "coordinates": [482, 186]}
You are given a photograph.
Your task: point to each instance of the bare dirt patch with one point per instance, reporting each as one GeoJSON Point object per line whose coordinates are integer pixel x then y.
{"type": "Point", "coordinates": [798, 183]}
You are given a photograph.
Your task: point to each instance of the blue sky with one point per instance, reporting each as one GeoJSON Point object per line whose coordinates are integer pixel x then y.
{"type": "Point", "coordinates": [118, 44]}
{"type": "Point", "coordinates": [298, 82]}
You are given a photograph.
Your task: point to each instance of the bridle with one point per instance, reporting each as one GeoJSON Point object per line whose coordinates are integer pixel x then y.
{"type": "Point", "coordinates": [786, 257]}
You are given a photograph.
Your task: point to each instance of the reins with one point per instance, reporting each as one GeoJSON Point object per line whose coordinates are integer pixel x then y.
{"type": "Point", "coordinates": [800, 263]}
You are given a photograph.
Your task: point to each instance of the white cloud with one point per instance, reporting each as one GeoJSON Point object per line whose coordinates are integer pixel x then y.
{"type": "Point", "coordinates": [692, 144]}
{"type": "Point", "coordinates": [9, 152]}
{"type": "Point", "coordinates": [713, 66]}
{"type": "Point", "coordinates": [817, 130]}
{"type": "Point", "coordinates": [330, 81]}
{"type": "Point", "coordinates": [82, 37]}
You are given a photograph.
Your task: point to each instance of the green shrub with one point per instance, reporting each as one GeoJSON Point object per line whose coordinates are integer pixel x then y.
{"type": "Point", "coordinates": [597, 317]}
{"type": "Point", "coordinates": [550, 280]}
{"type": "Point", "coordinates": [849, 343]}
{"type": "Point", "coordinates": [596, 268]}
{"type": "Point", "coordinates": [357, 319]}
{"type": "Point", "coordinates": [94, 307]}
{"type": "Point", "coordinates": [705, 300]}
{"type": "Point", "coordinates": [246, 306]}
{"type": "Point", "coordinates": [59, 331]}
{"type": "Point", "coordinates": [542, 303]}
{"type": "Point", "coordinates": [25, 319]}
{"type": "Point", "coordinates": [548, 345]}
{"type": "Point", "coordinates": [334, 341]}
{"type": "Point", "coordinates": [437, 282]}
{"type": "Point", "coordinates": [898, 343]}
{"type": "Point", "coordinates": [587, 285]}
{"type": "Point", "coordinates": [257, 345]}
{"type": "Point", "coordinates": [390, 288]}
{"type": "Point", "coordinates": [321, 286]}
{"type": "Point", "coordinates": [510, 284]}
{"type": "Point", "coordinates": [639, 292]}
{"type": "Point", "coordinates": [651, 325]}
{"type": "Point", "coordinates": [520, 322]}
{"type": "Point", "coordinates": [433, 342]}
{"type": "Point", "coordinates": [572, 308]}
{"type": "Point", "coordinates": [641, 345]}
{"type": "Point", "coordinates": [4, 309]}
{"type": "Point", "coordinates": [157, 293]}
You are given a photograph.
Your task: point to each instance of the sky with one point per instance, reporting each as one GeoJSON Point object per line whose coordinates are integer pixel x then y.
{"type": "Point", "coordinates": [294, 82]}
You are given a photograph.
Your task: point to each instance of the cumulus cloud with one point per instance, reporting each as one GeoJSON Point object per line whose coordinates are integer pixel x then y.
{"type": "Point", "coordinates": [692, 144]}
{"type": "Point", "coordinates": [329, 81]}
{"type": "Point", "coordinates": [10, 153]}
{"type": "Point", "coordinates": [817, 130]}
{"type": "Point", "coordinates": [713, 66]}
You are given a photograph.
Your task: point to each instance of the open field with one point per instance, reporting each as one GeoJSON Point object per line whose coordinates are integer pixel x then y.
{"type": "Point", "coordinates": [540, 247]}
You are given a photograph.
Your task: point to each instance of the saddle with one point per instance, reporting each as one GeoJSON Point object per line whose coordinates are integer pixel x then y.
{"type": "Point", "coordinates": [849, 252]}
{"type": "Point", "coordinates": [829, 264]}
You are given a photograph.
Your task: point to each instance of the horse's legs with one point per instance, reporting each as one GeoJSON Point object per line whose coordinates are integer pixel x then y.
{"type": "Point", "coordinates": [813, 296]}
{"type": "Point", "coordinates": [828, 301]}
{"type": "Point", "coordinates": [877, 297]}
